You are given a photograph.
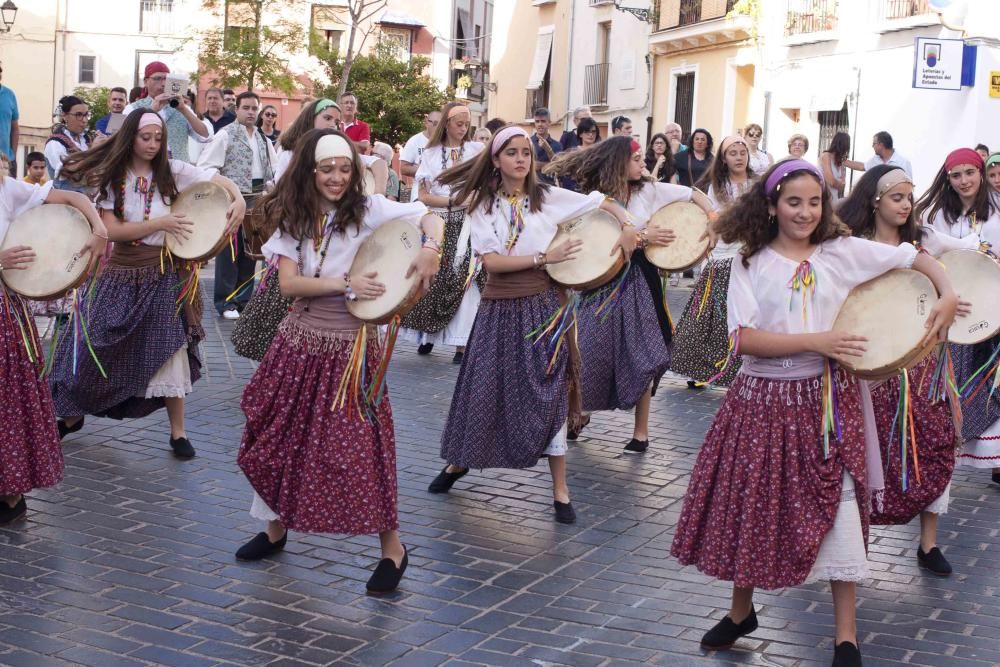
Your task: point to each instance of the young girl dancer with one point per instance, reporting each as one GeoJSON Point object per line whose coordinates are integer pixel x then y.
{"type": "Point", "coordinates": [511, 402]}
{"type": "Point", "coordinates": [30, 454]}
{"type": "Point", "coordinates": [881, 208]}
{"type": "Point", "coordinates": [143, 327]}
{"type": "Point", "coordinates": [626, 351]}
{"type": "Point", "coordinates": [322, 459]}
{"type": "Point", "coordinates": [779, 494]}
{"type": "Point", "coordinates": [702, 337]}
{"type": "Point", "coordinates": [959, 203]}
{"type": "Point", "coordinates": [445, 315]}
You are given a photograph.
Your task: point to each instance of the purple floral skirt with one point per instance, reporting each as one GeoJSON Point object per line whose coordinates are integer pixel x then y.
{"type": "Point", "coordinates": [30, 453]}
{"type": "Point", "coordinates": [762, 496]}
{"type": "Point", "coordinates": [936, 443]}
{"type": "Point", "coordinates": [506, 408]}
{"type": "Point", "coordinates": [321, 470]}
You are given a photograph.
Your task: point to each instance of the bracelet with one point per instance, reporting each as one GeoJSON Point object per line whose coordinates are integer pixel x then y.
{"type": "Point", "coordinates": [105, 236]}
{"type": "Point", "coordinates": [643, 238]}
{"type": "Point", "coordinates": [539, 260]}
{"type": "Point", "coordinates": [431, 244]}
{"type": "Point", "coordinates": [348, 290]}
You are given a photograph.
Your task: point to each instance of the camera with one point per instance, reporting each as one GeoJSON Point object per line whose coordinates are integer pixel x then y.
{"type": "Point", "coordinates": [176, 87]}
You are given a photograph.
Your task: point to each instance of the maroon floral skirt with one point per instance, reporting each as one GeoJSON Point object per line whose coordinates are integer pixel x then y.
{"type": "Point", "coordinates": [321, 470]}
{"type": "Point", "coordinates": [936, 443]}
{"type": "Point", "coordinates": [762, 496]}
{"type": "Point", "coordinates": [30, 453]}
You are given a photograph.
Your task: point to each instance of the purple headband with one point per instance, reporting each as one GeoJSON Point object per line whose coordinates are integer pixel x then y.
{"type": "Point", "coordinates": [787, 167]}
{"type": "Point", "coordinates": [505, 135]}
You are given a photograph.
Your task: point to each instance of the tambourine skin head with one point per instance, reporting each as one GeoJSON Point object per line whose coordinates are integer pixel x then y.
{"type": "Point", "coordinates": [56, 233]}
{"type": "Point", "coordinates": [389, 252]}
{"type": "Point", "coordinates": [594, 264]}
{"type": "Point", "coordinates": [689, 223]}
{"type": "Point", "coordinates": [206, 205]}
{"type": "Point", "coordinates": [890, 311]}
{"type": "Point", "coordinates": [976, 279]}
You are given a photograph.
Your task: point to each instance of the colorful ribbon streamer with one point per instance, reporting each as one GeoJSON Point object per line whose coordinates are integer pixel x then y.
{"type": "Point", "coordinates": [831, 413]}
{"type": "Point", "coordinates": [723, 364]}
{"type": "Point", "coordinates": [803, 280]}
{"type": "Point", "coordinates": [557, 326]}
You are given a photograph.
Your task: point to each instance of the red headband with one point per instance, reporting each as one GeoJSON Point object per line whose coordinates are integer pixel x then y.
{"type": "Point", "coordinates": [635, 146]}
{"type": "Point", "coordinates": [156, 67]}
{"type": "Point", "coordinates": [963, 156]}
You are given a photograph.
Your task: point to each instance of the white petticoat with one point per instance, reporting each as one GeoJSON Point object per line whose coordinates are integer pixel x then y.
{"type": "Point", "coordinates": [260, 510]}
{"type": "Point", "coordinates": [983, 453]}
{"type": "Point", "coordinates": [842, 555]}
{"type": "Point", "coordinates": [940, 504]}
{"type": "Point", "coordinates": [457, 331]}
{"type": "Point", "coordinates": [173, 378]}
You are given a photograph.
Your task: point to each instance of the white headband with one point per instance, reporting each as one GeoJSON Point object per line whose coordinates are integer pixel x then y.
{"type": "Point", "coordinates": [332, 146]}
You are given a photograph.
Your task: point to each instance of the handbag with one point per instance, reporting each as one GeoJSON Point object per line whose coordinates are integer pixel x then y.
{"type": "Point", "coordinates": [260, 319]}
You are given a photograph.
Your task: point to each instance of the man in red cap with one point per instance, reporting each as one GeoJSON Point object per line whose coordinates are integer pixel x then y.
{"type": "Point", "coordinates": [180, 120]}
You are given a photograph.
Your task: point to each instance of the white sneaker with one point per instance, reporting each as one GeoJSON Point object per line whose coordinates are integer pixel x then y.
{"type": "Point", "coordinates": [231, 314]}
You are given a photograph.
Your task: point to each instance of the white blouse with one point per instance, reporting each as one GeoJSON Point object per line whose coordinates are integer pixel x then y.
{"type": "Point", "coordinates": [430, 164]}
{"type": "Point", "coordinates": [760, 297]}
{"type": "Point", "coordinates": [17, 197]}
{"type": "Point", "coordinates": [651, 197]}
{"type": "Point", "coordinates": [937, 244]}
{"type": "Point", "coordinates": [759, 163]}
{"type": "Point", "coordinates": [343, 246]}
{"type": "Point", "coordinates": [988, 230]}
{"type": "Point", "coordinates": [723, 250]}
{"type": "Point", "coordinates": [490, 231]}
{"type": "Point", "coordinates": [185, 175]}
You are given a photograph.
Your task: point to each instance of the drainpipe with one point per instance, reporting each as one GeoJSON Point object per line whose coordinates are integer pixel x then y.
{"type": "Point", "coordinates": [569, 69]}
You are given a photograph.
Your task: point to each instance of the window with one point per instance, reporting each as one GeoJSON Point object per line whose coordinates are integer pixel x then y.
{"type": "Point", "coordinates": [807, 16]}
{"type": "Point", "coordinates": [399, 39]}
{"type": "Point", "coordinates": [328, 25]}
{"type": "Point", "coordinates": [87, 69]}
{"type": "Point", "coordinates": [539, 80]}
{"type": "Point", "coordinates": [830, 123]}
{"type": "Point", "coordinates": [241, 23]}
{"type": "Point", "coordinates": [684, 102]}
{"type": "Point", "coordinates": [156, 16]}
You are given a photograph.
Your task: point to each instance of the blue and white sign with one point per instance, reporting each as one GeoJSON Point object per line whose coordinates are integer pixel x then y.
{"type": "Point", "coordinates": [937, 63]}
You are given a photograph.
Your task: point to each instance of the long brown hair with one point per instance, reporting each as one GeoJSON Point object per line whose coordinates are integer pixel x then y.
{"type": "Point", "coordinates": [478, 181]}
{"type": "Point", "coordinates": [302, 124]}
{"type": "Point", "coordinates": [857, 213]}
{"type": "Point", "coordinates": [748, 221]}
{"type": "Point", "coordinates": [294, 205]}
{"type": "Point", "coordinates": [440, 132]}
{"type": "Point", "coordinates": [105, 166]}
{"type": "Point", "coordinates": [941, 197]}
{"type": "Point", "coordinates": [717, 175]}
{"type": "Point", "coordinates": [602, 167]}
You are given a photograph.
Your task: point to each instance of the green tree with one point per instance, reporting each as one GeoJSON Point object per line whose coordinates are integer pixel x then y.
{"type": "Point", "coordinates": [392, 95]}
{"type": "Point", "coordinates": [248, 51]}
{"type": "Point", "coordinates": [97, 100]}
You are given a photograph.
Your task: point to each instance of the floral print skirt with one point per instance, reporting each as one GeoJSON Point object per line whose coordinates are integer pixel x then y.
{"type": "Point", "coordinates": [701, 340]}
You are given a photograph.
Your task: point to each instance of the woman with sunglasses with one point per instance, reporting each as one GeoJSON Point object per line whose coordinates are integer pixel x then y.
{"type": "Point", "coordinates": [68, 136]}
{"type": "Point", "coordinates": [267, 122]}
{"type": "Point", "coordinates": [760, 160]}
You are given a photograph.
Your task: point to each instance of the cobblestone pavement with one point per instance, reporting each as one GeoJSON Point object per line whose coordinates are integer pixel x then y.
{"type": "Point", "coordinates": [130, 560]}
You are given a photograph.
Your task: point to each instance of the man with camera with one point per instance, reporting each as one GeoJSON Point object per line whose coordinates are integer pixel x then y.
{"type": "Point", "coordinates": [172, 105]}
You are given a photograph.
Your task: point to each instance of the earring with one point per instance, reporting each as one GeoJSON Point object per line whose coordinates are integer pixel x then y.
{"type": "Point", "coordinates": [772, 220]}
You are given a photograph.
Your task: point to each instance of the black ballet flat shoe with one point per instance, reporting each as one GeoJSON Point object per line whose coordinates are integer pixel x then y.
{"type": "Point", "coordinates": [182, 448]}
{"type": "Point", "coordinates": [693, 385]}
{"type": "Point", "coordinates": [10, 514]}
{"type": "Point", "coordinates": [385, 578]}
{"type": "Point", "coordinates": [564, 512]}
{"type": "Point", "coordinates": [65, 430]}
{"type": "Point", "coordinates": [637, 446]}
{"type": "Point", "coordinates": [934, 561]}
{"type": "Point", "coordinates": [726, 632]}
{"type": "Point", "coordinates": [445, 480]}
{"type": "Point", "coordinates": [425, 348]}
{"type": "Point", "coordinates": [846, 654]}
{"type": "Point", "coordinates": [574, 433]}
{"type": "Point", "coordinates": [996, 478]}
{"type": "Point", "coordinates": [261, 547]}
{"type": "Point", "coordinates": [458, 358]}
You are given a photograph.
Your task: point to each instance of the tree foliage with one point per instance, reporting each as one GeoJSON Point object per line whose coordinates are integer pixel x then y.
{"type": "Point", "coordinates": [97, 100]}
{"type": "Point", "coordinates": [248, 52]}
{"type": "Point", "coordinates": [392, 95]}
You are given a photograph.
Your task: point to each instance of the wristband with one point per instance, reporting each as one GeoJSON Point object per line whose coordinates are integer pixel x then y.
{"type": "Point", "coordinates": [349, 293]}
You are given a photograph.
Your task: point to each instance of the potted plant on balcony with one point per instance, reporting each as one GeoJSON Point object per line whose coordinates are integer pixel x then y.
{"type": "Point", "coordinates": [462, 85]}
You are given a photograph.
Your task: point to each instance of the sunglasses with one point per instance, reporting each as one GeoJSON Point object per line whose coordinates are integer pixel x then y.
{"type": "Point", "coordinates": [753, 135]}
{"type": "Point", "coordinates": [270, 115]}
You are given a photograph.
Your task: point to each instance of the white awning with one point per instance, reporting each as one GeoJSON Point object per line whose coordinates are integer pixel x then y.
{"type": "Point", "coordinates": [827, 100]}
{"type": "Point", "coordinates": [400, 18]}
{"type": "Point", "coordinates": [543, 49]}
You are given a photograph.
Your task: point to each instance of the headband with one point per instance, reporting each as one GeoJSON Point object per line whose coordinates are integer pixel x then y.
{"type": "Point", "coordinates": [785, 169]}
{"type": "Point", "coordinates": [454, 111]}
{"type": "Point", "coordinates": [150, 119]}
{"type": "Point", "coordinates": [505, 135]}
{"type": "Point", "coordinates": [325, 104]}
{"type": "Point", "coordinates": [992, 160]}
{"type": "Point", "coordinates": [889, 180]}
{"type": "Point", "coordinates": [963, 156]}
{"type": "Point", "coordinates": [635, 146]}
{"type": "Point", "coordinates": [729, 141]}
{"type": "Point", "coordinates": [155, 67]}
{"type": "Point", "coordinates": [332, 146]}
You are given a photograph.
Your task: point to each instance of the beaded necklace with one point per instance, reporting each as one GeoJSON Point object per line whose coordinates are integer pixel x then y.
{"type": "Point", "coordinates": [515, 224]}
{"type": "Point", "coordinates": [456, 155]}
{"type": "Point", "coordinates": [321, 245]}
{"type": "Point", "coordinates": [147, 189]}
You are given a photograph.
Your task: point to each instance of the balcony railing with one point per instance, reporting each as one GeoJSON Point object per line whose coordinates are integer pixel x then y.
{"type": "Point", "coordinates": [679, 13]}
{"type": "Point", "coordinates": [690, 11]}
{"type": "Point", "coordinates": [902, 9]}
{"type": "Point", "coordinates": [806, 16]}
{"type": "Point", "coordinates": [595, 84]}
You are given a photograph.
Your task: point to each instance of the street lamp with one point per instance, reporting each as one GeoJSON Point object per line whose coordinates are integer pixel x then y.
{"type": "Point", "coordinates": [8, 12]}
